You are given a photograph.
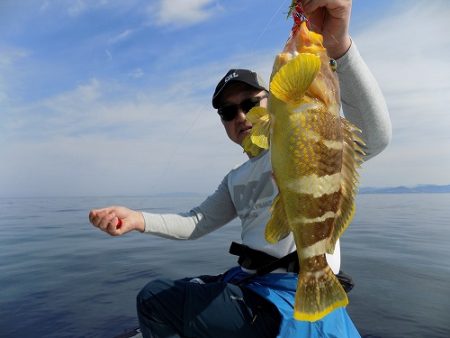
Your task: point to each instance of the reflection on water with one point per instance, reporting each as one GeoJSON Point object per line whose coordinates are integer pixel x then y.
{"type": "Point", "coordinates": [61, 277]}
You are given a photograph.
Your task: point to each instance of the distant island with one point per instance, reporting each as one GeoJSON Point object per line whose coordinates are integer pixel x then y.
{"type": "Point", "coordinates": [188, 194]}
{"type": "Point", "coordinates": [418, 189]}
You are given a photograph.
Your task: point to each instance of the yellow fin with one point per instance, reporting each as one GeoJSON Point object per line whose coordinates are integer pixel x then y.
{"type": "Point", "coordinates": [318, 294]}
{"type": "Point", "coordinates": [250, 148]}
{"type": "Point", "coordinates": [351, 162]}
{"type": "Point", "coordinates": [277, 228]}
{"type": "Point", "coordinates": [293, 79]}
{"type": "Point", "coordinates": [260, 119]}
{"type": "Point", "coordinates": [258, 139]}
{"type": "Point", "coordinates": [257, 115]}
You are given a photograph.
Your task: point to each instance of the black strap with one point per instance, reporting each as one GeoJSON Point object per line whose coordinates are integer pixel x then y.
{"type": "Point", "coordinates": [290, 262]}
{"type": "Point", "coordinates": [264, 263]}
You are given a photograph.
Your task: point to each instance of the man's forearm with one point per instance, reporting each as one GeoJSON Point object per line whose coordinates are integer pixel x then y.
{"type": "Point", "coordinates": [363, 103]}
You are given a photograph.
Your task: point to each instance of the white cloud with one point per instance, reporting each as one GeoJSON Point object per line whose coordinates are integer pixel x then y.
{"type": "Point", "coordinates": [408, 53]}
{"type": "Point", "coordinates": [100, 133]}
{"type": "Point", "coordinates": [9, 57]}
{"type": "Point", "coordinates": [44, 6]}
{"type": "Point", "coordinates": [76, 7]}
{"type": "Point", "coordinates": [148, 140]}
{"type": "Point", "coordinates": [73, 8]}
{"type": "Point", "coordinates": [108, 55]}
{"type": "Point", "coordinates": [121, 37]}
{"type": "Point", "coordinates": [181, 12]}
{"type": "Point", "coordinates": [90, 107]}
{"type": "Point", "coordinates": [160, 139]}
{"type": "Point", "coordinates": [136, 73]}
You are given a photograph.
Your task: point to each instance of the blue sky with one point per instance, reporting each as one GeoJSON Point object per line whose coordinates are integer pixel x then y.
{"type": "Point", "coordinates": [112, 97]}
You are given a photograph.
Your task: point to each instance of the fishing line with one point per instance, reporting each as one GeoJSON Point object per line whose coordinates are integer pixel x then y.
{"type": "Point", "coordinates": [205, 106]}
{"type": "Point", "coordinates": [270, 21]}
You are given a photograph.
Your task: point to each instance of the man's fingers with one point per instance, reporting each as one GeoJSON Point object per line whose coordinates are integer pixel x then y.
{"type": "Point", "coordinates": [106, 220]}
{"type": "Point", "coordinates": [310, 6]}
{"type": "Point", "coordinates": [92, 215]}
{"type": "Point", "coordinates": [96, 214]}
{"type": "Point", "coordinates": [100, 217]}
{"type": "Point", "coordinates": [113, 227]}
{"type": "Point", "coordinates": [111, 219]}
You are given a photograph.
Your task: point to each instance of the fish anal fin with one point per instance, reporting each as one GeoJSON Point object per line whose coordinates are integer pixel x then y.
{"type": "Point", "coordinates": [293, 79]}
{"type": "Point", "coordinates": [278, 227]}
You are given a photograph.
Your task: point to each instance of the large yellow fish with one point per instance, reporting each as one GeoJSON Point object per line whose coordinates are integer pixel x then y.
{"type": "Point", "coordinates": [315, 155]}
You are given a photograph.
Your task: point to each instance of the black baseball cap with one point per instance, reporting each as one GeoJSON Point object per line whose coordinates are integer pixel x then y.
{"type": "Point", "coordinates": [237, 75]}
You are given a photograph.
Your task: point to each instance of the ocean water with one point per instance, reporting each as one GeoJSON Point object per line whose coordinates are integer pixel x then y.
{"type": "Point", "coordinates": [61, 277]}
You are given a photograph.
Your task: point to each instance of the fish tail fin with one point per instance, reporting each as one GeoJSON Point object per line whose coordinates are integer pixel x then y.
{"type": "Point", "coordinates": [318, 294]}
{"type": "Point", "coordinates": [293, 79]}
{"type": "Point", "coordinates": [277, 228]}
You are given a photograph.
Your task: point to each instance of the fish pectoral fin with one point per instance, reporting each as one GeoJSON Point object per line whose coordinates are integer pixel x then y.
{"type": "Point", "coordinates": [278, 227]}
{"type": "Point", "coordinates": [294, 78]}
{"type": "Point", "coordinates": [318, 294]}
{"type": "Point", "coordinates": [262, 141]}
{"type": "Point", "coordinates": [351, 162]}
{"type": "Point", "coordinates": [258, 115]}
{"type": "Point", "coordinates": [260, 132]}
{"type": "Point", "coordinates": [250, 148]}
{"type": "Point", "coordinates": [258, 139]}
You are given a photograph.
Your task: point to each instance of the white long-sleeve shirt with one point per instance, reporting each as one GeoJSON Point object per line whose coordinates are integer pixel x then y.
{"type": "Point", "coordinates": [247, 191]}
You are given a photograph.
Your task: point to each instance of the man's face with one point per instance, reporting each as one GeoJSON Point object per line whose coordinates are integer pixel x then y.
{"type": "Point", "coordinates": [239, 126]}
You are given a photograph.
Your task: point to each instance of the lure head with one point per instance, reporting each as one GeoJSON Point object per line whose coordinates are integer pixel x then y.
{"type": "Point", "coordinates": [301, 40]}
{"type": "Point", "coordinates": [304, 41]}
{"type": "Point", "coordinates": [297, 12]}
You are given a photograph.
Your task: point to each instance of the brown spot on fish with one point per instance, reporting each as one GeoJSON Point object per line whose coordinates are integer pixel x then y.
{"type": "Point", "coordinates": [312, 233]}
{"type": "Point", "coordinates": [314, 264]}
{"type": "Point", "coordinates": [316, 207]}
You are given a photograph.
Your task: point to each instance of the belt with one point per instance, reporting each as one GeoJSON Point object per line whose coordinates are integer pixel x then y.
{"type": "Point", "coordinates": [261, 262]}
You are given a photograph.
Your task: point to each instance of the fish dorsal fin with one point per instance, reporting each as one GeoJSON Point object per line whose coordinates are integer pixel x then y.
{"type": "Point", "coordinates": [277, 228]}
{"type": "Point", "coordinates": [258, 139]}
{"type": "Point", "coordinates": [293, 79]}
{"type": "Point", "coordinates": [351, 162]}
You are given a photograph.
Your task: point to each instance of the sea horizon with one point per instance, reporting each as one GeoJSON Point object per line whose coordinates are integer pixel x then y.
{"type": "Point", "coordinates": [61, 277]}
{"type": "Point", "coordinates": [400, 189]}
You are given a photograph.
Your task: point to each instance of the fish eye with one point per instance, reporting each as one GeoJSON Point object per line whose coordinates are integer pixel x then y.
{"type": "Point", "coordinates": [333, 65]}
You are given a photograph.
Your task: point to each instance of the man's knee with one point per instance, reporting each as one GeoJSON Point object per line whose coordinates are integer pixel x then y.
{"type": "Point", "coordinates": [146, 298]}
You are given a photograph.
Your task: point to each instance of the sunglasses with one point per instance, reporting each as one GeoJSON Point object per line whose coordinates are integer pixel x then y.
{"type": "Point", "coordinates": [228, 113]}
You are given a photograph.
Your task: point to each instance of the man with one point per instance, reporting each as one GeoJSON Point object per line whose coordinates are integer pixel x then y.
{"type": "Point", "coordinates": [233, 304]}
